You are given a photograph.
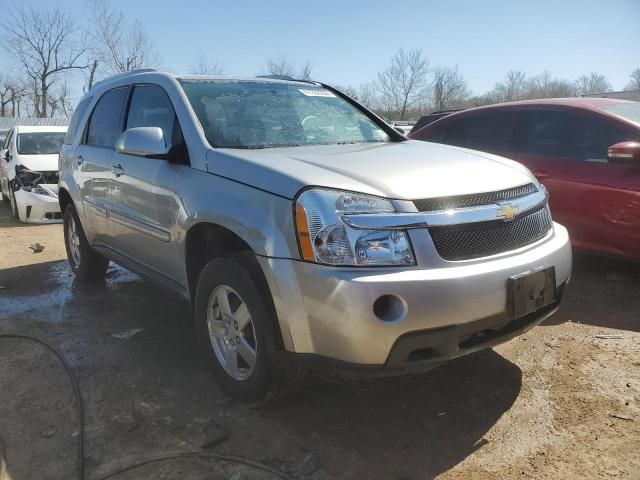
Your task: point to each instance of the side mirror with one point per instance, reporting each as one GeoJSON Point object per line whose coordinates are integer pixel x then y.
{"type": "Point", "coordinates": [624, 152]}
{"type": "Point", "coordinates": [143, 142]}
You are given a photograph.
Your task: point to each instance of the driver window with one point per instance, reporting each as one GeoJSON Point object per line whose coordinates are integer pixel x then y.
{"type": "Point", "coordinates": [150, 107]}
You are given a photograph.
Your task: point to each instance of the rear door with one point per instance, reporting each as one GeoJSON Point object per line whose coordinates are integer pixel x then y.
{"type": "Point", "coordinates": [145, 209]}
{"type": "Point", "coordinates": [488, 131]}
{"type": "Point", "coordinates": [93, 157]}
{"type": "Point", "coordinates": [567, 151]}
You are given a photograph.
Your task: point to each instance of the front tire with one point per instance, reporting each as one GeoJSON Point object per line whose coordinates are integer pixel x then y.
{"type": "Point", "coordinates": [85, 262]}
{"type": "Point", "coordinates": [238, 332]}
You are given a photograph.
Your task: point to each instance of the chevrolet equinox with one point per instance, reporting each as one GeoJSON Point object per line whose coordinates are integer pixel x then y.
{"type": "Point", "coordinates": [302, 227]}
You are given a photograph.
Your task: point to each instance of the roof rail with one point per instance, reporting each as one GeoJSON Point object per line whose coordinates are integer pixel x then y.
{"type": "Point", "coordinates": [278, 77]}
{"type": "Point", "coordinates": [124, 74]}
{"type": "Point", "coordinates": [288, 78]}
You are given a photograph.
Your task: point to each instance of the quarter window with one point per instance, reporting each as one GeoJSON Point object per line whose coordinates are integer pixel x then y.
{"type": "Point", "coordinates": [75, 120]}
{"type": "Point", "coordinates": [105, 125]}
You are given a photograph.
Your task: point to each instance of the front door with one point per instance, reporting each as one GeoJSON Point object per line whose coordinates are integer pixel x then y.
{"type": "Point", "coordinates": [144, 209]}
{"type": "Point", "coordinates": [567, 151]}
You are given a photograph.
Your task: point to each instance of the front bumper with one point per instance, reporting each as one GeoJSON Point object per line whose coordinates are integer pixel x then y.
{"type": "Point", "coordinates": [329, 311]}
{"type": "Point", "coordinates": [37, 208]}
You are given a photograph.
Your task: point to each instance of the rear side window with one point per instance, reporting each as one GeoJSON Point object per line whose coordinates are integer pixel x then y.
{"type": "Point", "coordinates": [436, 133]}
{"type": "Point", "coordinates": [489, 132]}
{"type": "Point", "coordinates": [105, 124]}
{"type": "Point", "coordinates": [572, 136]}
{"type": "Point", "coordinates": [150, 107]}
{"type": "Point", "coordinates": [75, 120]}
{"type": "Point", "coordinates": [547, 135]}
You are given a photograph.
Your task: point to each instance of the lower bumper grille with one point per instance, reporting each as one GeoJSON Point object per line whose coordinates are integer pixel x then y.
{"type": "Point", "coordinates": [465, 242]}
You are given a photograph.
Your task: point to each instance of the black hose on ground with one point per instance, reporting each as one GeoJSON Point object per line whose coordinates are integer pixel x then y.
{"type": "Point", "coordinates": [76, 393]}
{"type": "Point", "coordinates": [168, 456]}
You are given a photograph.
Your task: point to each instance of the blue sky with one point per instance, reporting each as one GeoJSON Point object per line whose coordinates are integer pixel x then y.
{"type": "Point", "coordinates": [347, 42]}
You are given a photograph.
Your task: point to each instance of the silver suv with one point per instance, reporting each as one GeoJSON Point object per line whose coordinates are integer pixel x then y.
{"type": "Point", "coordinates": [302, 227]}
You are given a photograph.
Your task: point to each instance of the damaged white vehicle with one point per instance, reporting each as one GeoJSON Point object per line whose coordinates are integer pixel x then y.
{"type": "Point", "coordinates": [29, 173]}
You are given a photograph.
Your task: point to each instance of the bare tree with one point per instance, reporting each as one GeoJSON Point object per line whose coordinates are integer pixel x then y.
{"type": "Point", "coordinates": [545, 86]}
{"type": "Point", "coordinates": [8, 91]}
{"type": "Point", "coordinates": [60, 101]}
{"type": "Point", "coordinates": [593, 83]}
{"type": "Point", "coordinates": [46, 45]}
{"type": "Point", "coordinates": [369, 96]}
{"type": "Point", "coordinates": [449, 88]}
{"type": "Point", "coordinates": [634, 84]}
{"type": "Point", "coordinates": [404, 85]}
{"type": "Point", "coordinates": [12, 94]}
{"type": "Point", "coordinates": [92, 76]}
{"type": "Point", "coordinates": [513, 87]}
{"type": "Point", "coordinates": [119, 46]}
{"type": "Point", "coordinates": [349, 90]}
{"type": "Point", "coordinates": [283, 66]}
{"type": "Point", "coordinates": [207, 66]}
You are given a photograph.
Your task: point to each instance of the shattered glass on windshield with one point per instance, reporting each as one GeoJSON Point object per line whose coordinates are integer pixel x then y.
{"type": "Point", "coordinates": [261, 115]}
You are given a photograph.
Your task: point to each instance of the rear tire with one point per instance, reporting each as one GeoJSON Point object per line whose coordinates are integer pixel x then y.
{"type": "Point", "coordinates": [86, 263]}
{"type": "Point", "coordinates": [239, 335]}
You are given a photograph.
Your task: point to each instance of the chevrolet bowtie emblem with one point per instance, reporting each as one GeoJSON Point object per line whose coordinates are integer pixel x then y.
{"type": "Point", "coordinates": [507, 211]}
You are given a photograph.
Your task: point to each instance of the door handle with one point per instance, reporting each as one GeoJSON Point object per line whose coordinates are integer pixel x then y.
{"type": "Point", "coordinates": [79, 159]}
{"type": "Point", "coordinates": [541, 174]}
{"type": "Point", "coordinates": [117, 170]}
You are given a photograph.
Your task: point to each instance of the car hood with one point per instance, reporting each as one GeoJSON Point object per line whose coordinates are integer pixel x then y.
{"type": "Point", "coordinates": [405, 170]}
{"type": "Point", "coordinates": [39, 163]}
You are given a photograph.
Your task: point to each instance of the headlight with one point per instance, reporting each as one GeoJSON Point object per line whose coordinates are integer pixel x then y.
{"type": "Point", "coordinates": [38, 190]}
{"type": "Point", "coordinates": [324, 238]}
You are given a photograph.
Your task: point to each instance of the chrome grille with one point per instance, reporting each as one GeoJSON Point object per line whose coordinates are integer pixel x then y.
{"type": "Point", "coordinates": [474, 200]}
{"type": "Point", "coordinates": [468, 241]}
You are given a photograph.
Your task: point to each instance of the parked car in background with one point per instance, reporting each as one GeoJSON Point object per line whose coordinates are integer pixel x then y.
{"type": "Point", "coordinates": [429, 118]}
{"type": "Point", "coordinates": [3, 135]}
{"type": "Point", "coordinates": [584, 150]}
{"type": "Point", "coordinates": [29, 172]}
{"type": "Point", "coordinates": [298, 222]}
{"type": "Point", "coordinates": [403, 126]}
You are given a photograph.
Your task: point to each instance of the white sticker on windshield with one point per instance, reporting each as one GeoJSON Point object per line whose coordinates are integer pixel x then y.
{"type": "Point", "coordinates": [316, 92]}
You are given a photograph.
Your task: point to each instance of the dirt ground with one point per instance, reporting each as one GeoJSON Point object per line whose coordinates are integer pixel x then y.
{"type": "Point", "coordinates": [558, 402]}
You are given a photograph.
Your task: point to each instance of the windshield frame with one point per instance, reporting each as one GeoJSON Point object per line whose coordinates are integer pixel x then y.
{"type": "Point", "coordinates": [393, 135]}
{"type": "Point", "coordinates": [62, 135]}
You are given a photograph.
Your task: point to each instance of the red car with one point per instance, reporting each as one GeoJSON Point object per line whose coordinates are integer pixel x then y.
{"type": "Point", "coordinates": [586, 151]}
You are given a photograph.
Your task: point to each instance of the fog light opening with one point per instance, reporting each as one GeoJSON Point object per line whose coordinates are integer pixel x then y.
{"type": "Point", "coordinates": [389, 308]}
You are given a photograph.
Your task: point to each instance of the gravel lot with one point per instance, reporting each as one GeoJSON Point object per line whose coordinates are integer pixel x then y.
{"type": "Point", "coordinates": [558, 402]}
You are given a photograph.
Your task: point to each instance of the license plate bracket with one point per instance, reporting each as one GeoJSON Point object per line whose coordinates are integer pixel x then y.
{"type": "Point", "coordinates": [531, 291]}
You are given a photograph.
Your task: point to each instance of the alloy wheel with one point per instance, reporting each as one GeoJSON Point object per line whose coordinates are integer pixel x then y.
{"type": "Point", "coordinates": [232, 332]}
{"type": "Point", "coordinates": [73, 241]}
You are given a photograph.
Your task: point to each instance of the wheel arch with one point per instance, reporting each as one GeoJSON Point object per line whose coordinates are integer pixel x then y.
{"type": "Point", "coordinates": [64, 198]}
{"type": "Point", "coordinates": [205, 241]}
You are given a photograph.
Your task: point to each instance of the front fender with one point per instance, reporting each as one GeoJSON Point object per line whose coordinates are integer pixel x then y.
{"type": "Point", "coordinates": [263, 220]}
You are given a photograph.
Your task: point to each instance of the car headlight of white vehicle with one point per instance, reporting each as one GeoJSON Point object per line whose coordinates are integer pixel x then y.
{"type": "Point", "coordinates": [325, 238]}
